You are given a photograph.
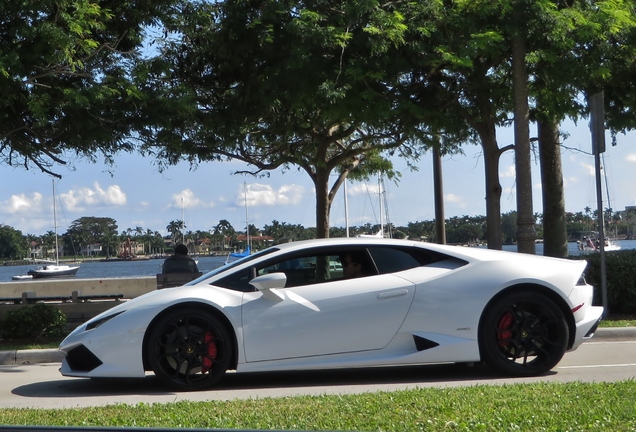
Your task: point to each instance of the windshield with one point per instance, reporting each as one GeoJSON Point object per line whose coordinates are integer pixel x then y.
{"type": "Point", "coordinates": [228, 266]}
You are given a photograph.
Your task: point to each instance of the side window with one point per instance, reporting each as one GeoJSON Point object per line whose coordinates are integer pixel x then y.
{"type": "Point", "coordinates": [305, 270]}
{"type": "Point", "coordinates": [391, 260]}
{"type": "Point", "coordinates": [238, 281]}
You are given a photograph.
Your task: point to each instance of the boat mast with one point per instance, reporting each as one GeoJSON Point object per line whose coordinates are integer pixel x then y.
{"type": "Point", "coordinates": [57, 256]}
{"type": "Point", "coordinates": [380, 192]}
{"type": "Point", "coordinates": [609, 201]}
{"type": "Point", "coordinates": [183, 221]}
{"type": "Point", "coordinates": [346, 207]}
{"type": "Point", "coordinates": [247, 223]}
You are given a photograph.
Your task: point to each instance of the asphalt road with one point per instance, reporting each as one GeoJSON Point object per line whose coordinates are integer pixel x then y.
{"type": "Point", "coordinates": [610, 356]}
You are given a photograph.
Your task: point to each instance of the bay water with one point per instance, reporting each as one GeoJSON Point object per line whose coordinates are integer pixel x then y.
{"type": "Point", "coordinates": [144, 268]}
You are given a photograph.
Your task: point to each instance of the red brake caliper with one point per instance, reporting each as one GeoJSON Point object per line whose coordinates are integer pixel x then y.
{"type": "Point", "coordinates": [504, 333]}
{"type": "Point", "coordinates": [210, 351]}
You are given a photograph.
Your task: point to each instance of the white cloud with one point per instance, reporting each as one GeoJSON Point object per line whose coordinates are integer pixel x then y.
{"type": "Point", "coordinates": [456, 201]}
{"type": "Point", "coordinates": [362, 189]}
{"type": "Point", "coordinates": [22, 204]}
{"type": "Point", "coordinates": [631, 157]}
{"type": "Point", "coordinates": [508, 173]}
{"type": "Point", "coordinates": [265, 195]}
{"type": "Point", "coordinates": [187, 200]}
{"type": "Point", "coordinates": [569, 181]}
{"type": "Point", "coordinates": [81, 199]}
{"type": "Point", "coordinates": [589, 168]}
{"type": "Point", "coordinates": [452, 198]}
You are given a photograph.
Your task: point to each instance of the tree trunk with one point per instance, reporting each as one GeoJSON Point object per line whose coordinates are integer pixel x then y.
{"type": "Point", "coordinates": [526, 234]}
{"type": "Point", "coordinates": [438, 185]}
{"type": "Point", "coordinates": [555, 241]}
{"type": "Point", "coordinates": [493, 187]}
{"type": "Point", "coordinates": [323, 204]}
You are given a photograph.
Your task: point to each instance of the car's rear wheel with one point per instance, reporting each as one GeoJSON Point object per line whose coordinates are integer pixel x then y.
{"type": "Point", "coordinates": [189, 349]}
{"type": "Point", "coordinates": [523, 334]}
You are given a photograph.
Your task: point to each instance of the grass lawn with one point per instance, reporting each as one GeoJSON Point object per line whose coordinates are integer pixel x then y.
{"type": "Point", "coordinates": [518, 407]}
{"type": "Point", "coordinates": [514, 407]}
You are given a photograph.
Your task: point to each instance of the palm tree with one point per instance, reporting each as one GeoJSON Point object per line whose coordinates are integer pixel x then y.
{"type": "Point", "coordinates": [174, 228]}
{"type": "Point", "coordinates": [48, 241]}
{"type": "Point", "coordinates": [224, 229]}
{"type": "Point", "coordinates": [588, 212]}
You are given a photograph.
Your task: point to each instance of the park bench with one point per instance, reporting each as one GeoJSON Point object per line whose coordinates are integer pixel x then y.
{"type": "Point", "coordinates": [170, 280]}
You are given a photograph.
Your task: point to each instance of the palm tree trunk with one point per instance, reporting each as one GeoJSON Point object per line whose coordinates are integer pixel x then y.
{"type": "Point", "coordinates": [526, 234]}
{"type": "Point", "coordinates": [555, 242]}
{"type": "Point", "coordinates": [493, 187]}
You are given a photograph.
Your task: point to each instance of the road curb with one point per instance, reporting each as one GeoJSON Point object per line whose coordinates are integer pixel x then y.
{"type": "Point", "coordinates": [24, 357]}
{"type": "Point", "coordinates": [615, 333]}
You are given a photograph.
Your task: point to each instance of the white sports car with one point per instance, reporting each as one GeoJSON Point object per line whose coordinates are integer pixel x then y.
{"type": "Point", "coordinates": [338, 303]}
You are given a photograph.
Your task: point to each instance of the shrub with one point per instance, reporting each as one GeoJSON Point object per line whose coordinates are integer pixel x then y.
{"type": "Point", "coordinates": [33, 323]}
{"type": "Point", "coordinates": [621, 280]}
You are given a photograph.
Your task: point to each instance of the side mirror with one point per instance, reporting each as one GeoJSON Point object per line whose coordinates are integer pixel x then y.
{"type": "Point", "coordinates": [267, 282]}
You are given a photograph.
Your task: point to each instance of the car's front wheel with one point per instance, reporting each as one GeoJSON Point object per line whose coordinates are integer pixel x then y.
{"type": "Point", "coordinates": [189, 349]}
{"type": "Point", "coordinates": [523, 334]}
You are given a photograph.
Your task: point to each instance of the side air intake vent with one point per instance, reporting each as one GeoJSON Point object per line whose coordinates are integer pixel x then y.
{"type": "Point", "coordinates": [81, 359]}
{"type": "Point", "coordinates": [423, 344]}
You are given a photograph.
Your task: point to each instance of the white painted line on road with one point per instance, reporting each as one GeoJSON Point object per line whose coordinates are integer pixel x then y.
{"type": "Point", "coordinates": [597, 366]}
{"type": "Point", "coordinates": [610, 342]}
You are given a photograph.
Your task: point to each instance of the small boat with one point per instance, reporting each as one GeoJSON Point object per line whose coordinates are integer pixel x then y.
{"type": "Point", "coordinates": [50, 270]}
{"type": "Point", "coordinates": [591, 243]}
{"type": "Point", "coordinates": [53, 270]}
{"type": "Point", "coordinates": [22, 277]}
{"type": "Point", "coordinates": [246, 252]}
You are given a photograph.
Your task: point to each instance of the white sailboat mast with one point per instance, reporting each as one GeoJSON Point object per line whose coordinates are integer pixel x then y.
{"type": "Point", "coordinates": [346, 208]}
{"type": "Point", "coordinates": [57, 255]}
{"type": "Point", "coordinates": [381, 212]}
{"type": "Point", "coordinates": [183, 221]}
{"type": "Point", "coordinates": [247, 221]}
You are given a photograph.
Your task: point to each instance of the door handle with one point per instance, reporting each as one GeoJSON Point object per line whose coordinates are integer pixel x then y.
{"type": "Point", "coordinates": [391, 294]}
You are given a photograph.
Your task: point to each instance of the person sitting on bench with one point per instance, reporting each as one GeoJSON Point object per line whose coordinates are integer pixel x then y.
{"type": "Point", "coordinates": [180, 262]}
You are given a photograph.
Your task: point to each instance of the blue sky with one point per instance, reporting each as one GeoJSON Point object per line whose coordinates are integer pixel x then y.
{"type": "Point", "coordinates": [138, 195]}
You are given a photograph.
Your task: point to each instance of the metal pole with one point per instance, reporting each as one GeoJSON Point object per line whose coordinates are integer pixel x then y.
{"type": "Point", "coordinates": [597, 127]}
{"type": "Point", "coordinates": [601, 231]}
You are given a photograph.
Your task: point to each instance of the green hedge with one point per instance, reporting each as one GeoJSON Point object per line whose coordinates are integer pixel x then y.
{"type": "Point", "coordinates": [33, 323]}
{"type": "Point", "coordinates": [621, 280]}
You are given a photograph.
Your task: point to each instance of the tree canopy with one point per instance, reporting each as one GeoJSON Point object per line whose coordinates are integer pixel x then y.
{"type": "Point", "coordinates": [280, 85]}
{"type": "Point", "coordinates": [330, 88]}
{"type": "Point", "coordinates": [65, 78]}
{"type": "Point", "coordinates": [12, 243]}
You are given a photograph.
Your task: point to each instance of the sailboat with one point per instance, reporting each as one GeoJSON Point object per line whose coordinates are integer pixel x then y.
{"type": "Point", "coordinates": [382, 206]}
{"type": "Point", "coordinates": [51, 270]}
{"type": "Point", "coordinates": [590, 241]}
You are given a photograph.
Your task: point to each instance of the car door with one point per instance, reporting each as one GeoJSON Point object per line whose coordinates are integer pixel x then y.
{"type": "Point", "coordinates": [325, 317]}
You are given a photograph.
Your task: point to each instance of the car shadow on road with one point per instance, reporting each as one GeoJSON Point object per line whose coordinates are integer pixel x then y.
{"type": "Point", "coordinates": [427, 375]}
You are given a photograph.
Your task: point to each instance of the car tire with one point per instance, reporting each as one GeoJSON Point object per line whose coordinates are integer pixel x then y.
{"type": "Point", "coordinates": [189, 349]}
{"type": "Point", "coordinates": [523, 334]}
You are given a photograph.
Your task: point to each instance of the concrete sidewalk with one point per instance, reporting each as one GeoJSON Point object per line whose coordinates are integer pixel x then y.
{"type": "Point", "coordinates": [21, 357]}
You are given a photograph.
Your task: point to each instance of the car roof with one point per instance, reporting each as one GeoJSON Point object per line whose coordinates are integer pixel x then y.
{"type": "Point", "coordinates": [461, 252]}
{"type": "Point", "coordinates": [342, 241]}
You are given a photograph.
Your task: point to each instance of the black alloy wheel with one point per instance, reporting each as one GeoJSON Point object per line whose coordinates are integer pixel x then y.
{"type": "Point", "coordinates": [189, 349]}
{"type": "Point", "coordinates": [523, 334]}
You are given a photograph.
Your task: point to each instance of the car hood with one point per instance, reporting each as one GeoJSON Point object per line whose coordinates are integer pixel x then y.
{"type": "Point", "coordinates": [163, 298]}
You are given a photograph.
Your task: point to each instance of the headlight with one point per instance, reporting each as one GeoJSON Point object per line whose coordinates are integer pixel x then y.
{"type": "Point", "coordinates": [94, 324]}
